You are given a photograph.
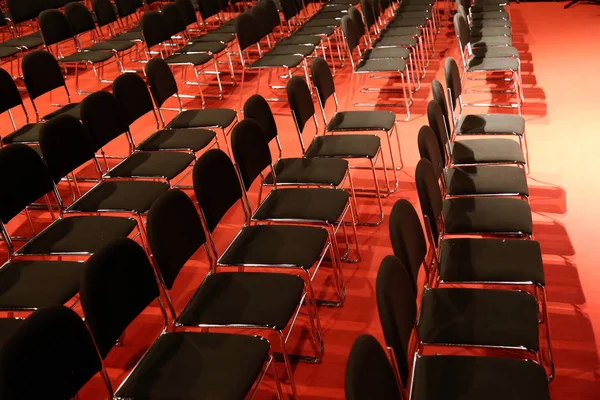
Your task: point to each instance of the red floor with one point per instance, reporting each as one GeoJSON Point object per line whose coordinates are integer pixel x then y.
{"type": "Point", "coordinates": [559, 51]}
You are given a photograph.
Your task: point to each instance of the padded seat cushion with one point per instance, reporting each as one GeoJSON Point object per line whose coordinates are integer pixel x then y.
{"type": "Point", "coordinates": [347, 146]}
{"type": "Point", "coordinates": [87, 56]}
{"type": "Point", "coordinates": [396, 41]}
{"type": "Point", "coordinates": [28, 133]}
{"type": "Point", "coordinates": [483, 151]}
{"type": "Point", "coordinates": [8, 51]}
{"type": "Point", "coordinates": [30, 41]}
{"type": "Point", "coordinates": [402, 31]}
{"type": "Point", "coordinates": [489, 215]}
{"type": "Point", "coordinates": [486, 180]}
{"type": "Point", "coordinates": [131, 35]}
{"type": "Point", "coordinates": [276, 245]}
{"type": "Point", "coordinates": [71, 109]}
{"type": "Point", "coordinates": [407, 21]}
{"type": "Point", "coordinates": [479, 317]}
{"type": "Point", "coordinates": [381, 65]}
{"type": "Point", "coordinates": [485, 15]}
{"type": "Point", "coordinates": [488, 41]}
{"type": "Point", "coordinates": [269, 61]}
{"type": "Point", "coordinates": [204, 118]}
{"type": "Point", "coordinates": [230, 298]}
{"type": "Point", "coordinates": [311, 171]}
{"type": "Point", "coordinates": [490, 124]}
{"type": "Point", "coordinates": [362, 120]}
{"type": "Point", "coordinates": [152, 164]}
{"type": "Point", "coordinates": [284, 50]}
{"type": "Point", "coordinates": [490, 23]}
{"type": "Point", "coordinates": [493, 64]}
{"type": "Point", "coordinates": [80, 235]}
{"type": "Point", "coordinates": [111, 45]}
{"type": "Point", "coordinates": [315, 30]}
{"type": "Point", "coordinates": [224, 37]}
{"type": "Point", "coordinates": [491, 260]}
{"type": "Point", "coordinates": [486, 31]}
{"type": "Point", "coordinates": [300, 40]}
{"type": "Point", "coordinates": [122, 195]}
{"type": "Point", "coordinates": [386, 52]}
{"type": "Point", "coordinates": [202, 47]}
{"type": "Point", "coordinates": [498, 51]}
{"type": "Point", "coordinates": [193, 365]}
{"type": "Point", "coordinates": [178, 139]}
{"type": "Point", "coordinates": [189, 58]}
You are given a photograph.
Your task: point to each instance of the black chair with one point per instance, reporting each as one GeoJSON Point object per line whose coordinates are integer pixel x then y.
{"type": "Point", "coordinates": [325, 207]}
{"type": "Point", "coordinates": [105, 120]}
{"type": "Point", "coordinates": [258, 301]}
{"type": "Point", "coordinates": [485, 216]}
{"type": "Point", "coordinates": [482, 180]}
{"type": "Point", "coordinates": [163, 85]}
{"type": "Point", "coordinates": [118, 285]}
{"type": "Point", "coordinates": [482, 30]}
{"type": "Point", "coordinates": [440, 377]}
{"type": "Point", "coordinates": [369, 374]}
{"type": "Point", "coordinates": [51, 355]}
{"type": "Point", "coordinates": [42, 74]}
{"type": "Point", "coordinates": [350, 146]}
{"type": "Point", "coordinates": [21, 12]}
{"type": "Point", "coordinates": [106, 16]}
{"type": "Point", "coordinates": [26, 179]}
{"type": "Point", "coordinates": [135, 98]}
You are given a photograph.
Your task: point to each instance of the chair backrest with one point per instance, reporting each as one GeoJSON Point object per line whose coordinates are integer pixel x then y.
{"type": "Point", "coordinates": [41, 73]}
{"type": "Point", "coordinates": [462, 31]}
{"type": "Point", "coordinates": [173, 19]}
{"type": "Point", "coordinates": [257, 108]}
{"type": "Point", "coordinates": [452, 82]}
{"type": "Point", "coordinates": [430, 196]}
{"type": "Point", "coordinates": [396, 303]}
{"type": "Point", "coordinates": [154, 28]}
{"type": "Point", "coordinates": [161, 80]}
{"type": "Point", "coordinates": [216, 186]}
{"type": "Point", "coordinates": [133, 95]}
{"type": "Point", "coordinates": [24, 179]}
{"type": "Point", "coordinates": [54, 27]}
{"type": "Point", "coordinates": [300, 101]}
{"type": "Point", "coordinates": [208, 8]}
{"type": "Point", "coordinates": [250, 151]}
{"type": "Point", "coordinates": [357, 18]}
{"type": "Point", "coordinates": [367, 8]}
{"type": "Point", "coordinates": [186, 8]}
{"type": "Point", "coordinates": [50, 356]}
{"type": "Point", "coordinates": [439, 95]}
{"type": "Point", "coordinates": [246, 30]}
{"type": "Point", "coordinates": [351, 32]}
{"type": "Point", "coordinates": [437, 124]}
{"type": "Point", "coordinates": [262, 25]}
{"type": "Point", "coordinates": [80, 19]}
{"type": "Point", "coordinates": [103, 118]}
{"type": "Point", "coordinates": [10, 92]}
{"type": "Point", "coordinates": [322, 79]}
{"type": "Point", "coordinates": [126, 8]}
{"type": "Point", "coordinates": [385, 4]}
{"type": "Point", "coordinates": [369, 374]}
{"type": "Point", "coordinates": [175, 233]}
{"type": "Point", "coordinates": [65, 145]}
{"type": "Point", "coordinates": [429, 148]}
{"type": "Point", "coordinates": [104, 11]}
{"type": "Point", "coordinates": [23, 10]}
{"type": "Point", "coordinates": [117, 285]}
{"type": "Point", "coordinates": [408, 238]}
{"type": "Point", "coordinates": [289, 9]}
{"type": "Point", "coordinates": [272, 14]}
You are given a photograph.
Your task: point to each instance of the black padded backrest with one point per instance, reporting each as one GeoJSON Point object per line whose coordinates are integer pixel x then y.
{"type": "Point", "coordinates": [104, 11]}
{"type": "Point", "coordinates": [65, 145]}
{"type": "Point", "coordinates": [103, 118]}
{"type": "Point", "coordinates": [246, 30]}
{"type": "Point", "coordinates": [80, 19]}
{"type": "Point", "coordinates": [133, 95]}
{"type": "Point", "coordinates": [174, 233]}
{"type": "Point", "coordinates": [257, 108]}
{"type": "Point", "coordinates": [10, 93]}
{"type": "Point", "coordinates": [208, 8]}
{"type": "Point", "coordinates": [452, 80]}
{"type": "Point", "coordinates": [396, 303]}
{"type": "Point", "coordinates": [272, 14]}
{"type": "Point", "coordinates": [437, 124]}
{"type": "Point", "coordinates": [262, 25]}
{"type": "Point", "coordinates": [462, 31]}
{"type": "Point", "coordinates": [41, 73]}
{"type": "Point", "coordinates": [429, 148]}
{"type": "Point", "coordinates": [430, 196]}
{"type": "Point", "coordinates": [408, 238]}
{"type": "Point", "coordinates": [54, 27]}
{"type": "Point", "coordinates": [117, 285]}
{"type": "Point", "coordinates": [376, 8]}
{"type": "Point", "coordinates": [250, 150]}
{"type": "Point", "coordinates": [357, 19]}
{"type": "Point", "coordinates": [154, 28]}
{"type": "Point", "coordinates": [186, 8]}
{"type": "Point", "coordinates": [216, 186]}
{"type": "Point", "coordinates": [173, 18]}
{"type": "Point", "coordinates": [351, 32]}
{"type": "Point", "coordinates": [24, 178]}
{"type": "Point", "coordinates": [161, 80]}
{"type": "Point", "coordinates": [300, 101]}
{"type": "Point", "coordinates": [369, 374]}
{"type": "Point", "coordinates": [322, 79]}
{"type": "Point", "coordinates": [385, 4]}
{"type": "Point", "coordinates": [367, 9]}
{"type": "Point", "coordinates": [128, 7]}
{"type": "Point", "coordinates": [439, 95]}
{"type": "Point", "coordinates": [289, 9]}
{"type": "Point", "coordinates": [50, 356]}
{"type": "Point", "coordinates": [23, 10]}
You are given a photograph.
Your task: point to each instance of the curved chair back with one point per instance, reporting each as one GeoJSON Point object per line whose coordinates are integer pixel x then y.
{"type": "Point", "coordinates": [430, 196]}
{"type": "Point", "coordinates": [367, 8]}
{"type": "Point", "coordinates": [262, 25]}
{"type": "Point", "coordinates": [257, 108]}
{"type": "Point", "coordinates": [54, 26]}
{"type": "Point", "coordinates": [322, 79]}
{"type": "Point", "coordinates": [10, 92]}
{"type": "Point", "coordinates": [173, 19]}
{"type": "Point", "coordinates": [161, 80]}
{"type": "Point", "coordinates": [357, 18]}
{"type": "Point", "coordinates": [80, 19]}
{"type": "Point", "coordinates": [41, 73]}
{"type": "Point", "coordinates": [126, 8]}
{"type": "Point", "coordinates": [103, 118]}
{"type": "Point", "coordinates": [246, 30]}
{"type": "Point", "coordinates": [154, 28]}
{"type": "Point", "coordinates": [104, 11]}
{"type": "Point", "coordinates": [429, 148]}
{"type": "Point", "coordinates": [186, 8]}
{"type": "Point", "coordinates": [436, 121]}
{"type": "Point", "coordinates": [439, 95]}
{"type": "Point", "coordinates": [23, 10]}
{"type": "Point", "coordinates": [133, 95]}
{"type": "Point", "coordinates": [250, 151]}
{"type": "Point", "coordinates": [453, 83]}
{"type": "Point", "coordinates": [301, 102]}
{"type": "Point", "coordinates": [351, 32]}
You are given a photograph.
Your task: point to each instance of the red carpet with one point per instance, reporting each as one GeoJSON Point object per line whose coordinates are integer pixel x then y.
{"type": "Point", "coordinates": [559, 52]}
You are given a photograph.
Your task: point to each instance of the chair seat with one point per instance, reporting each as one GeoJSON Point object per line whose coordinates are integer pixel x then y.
{"type": "Point", "coordinates": [476, 378]}
{"type": "Point", "coordinates": [121, 195]}
{"type": "Point", "coordinates": [203, 47]}
{"type": "Point", "coordinates": [204, 118]}
{"type": "Point", "coordinates": [133, 36]}
{"type": "Point", "coordinates": [111, 45]}
{"type": "Point", "coordinates": [194, 365]}
{"type": "Point", "coordinates": [492, 64]}
{"type": "Point", "coordinates": [491, 124]}
{"type": "Point", "coordinates": [236, 298]}
{"type": "Point", "coordinates": [402, 31]}
{"type": "Point", "coordinates": [485, 15]}
{"type": "Point", "coordinates": [498, 51]}
{"type": "Point", "coordinates": [479, 317]}
{"type": "Point", "coordinates": [87, 56]}
{"type": "Point", "coordinates": [347, 146]}
{"type": "Point", "coordinates": [298, 39]}
{"type": "Point", "coordinates": [28, 133]}
{"type": "Point", "coordinates": [270, 61]}
{"type": "Point", "coordinates": [381, 65]}
{"type": "Point", "coordinates": [178, 139]}
{"type": "Point", "coordinates": [362, 120]}
{"type": "Point", "coordinates": [487, 215]}
{"type": "Point", "coordinates": [488, 41]}
{"type": "Point", "coordinates": [490, 23]}
{"type": "Point", "coordinates": [152, 164]}
{"type": "Point", "coordinates": [223, 37]}
{"type": "Point", "coordinates": [305, 204]}
{"type": "Point", "coordinates": [416, 11]}
{"type": "Point", "coordinates": [30, 41]}
{"type": "Point", "coordinates": [315, 30]}
{"type": "Point", "coordinates": [71, 109]}
{"type": "Point", "coordinates": [38, 284]}
{"type": "Point", "coordinates": [486, 31]}
{"type": "Point", "coordinates": [407, 21]}
{"type": "Point", "coordinates": [7, 327]}
{"type": "Point", "coordinates": [310, 171]}
{"type": "Point", "coordinates": [276, 245]}
{"type": "Point", "coordinates": [322, 22]}
{"type": "Point", "coordinates": [9, 51]}
{"type": "Point", "coordinates": [487, 151]}
{"type": "Point", "coordinates": [194, 59]}
{"type": "Point", "coordinates": [78, 235]}
{"type": "Point", "coordinates": [486, 180]}
{"type": "Point", "coordinates": [395, 41]}
{"type": "Point", "coordinates": [284, 50]}
{"type": "Point", "coordinates": [491, 260]}
{"type": "Point", "coordinates": [386, 52]}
